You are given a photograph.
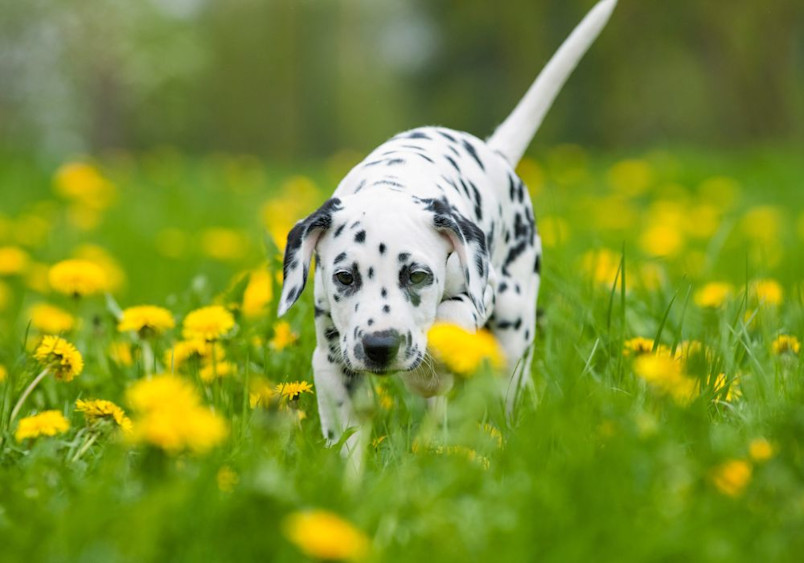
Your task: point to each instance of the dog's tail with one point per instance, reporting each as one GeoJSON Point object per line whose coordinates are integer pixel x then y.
{"type": "Point", "coordinates": [514, 135]}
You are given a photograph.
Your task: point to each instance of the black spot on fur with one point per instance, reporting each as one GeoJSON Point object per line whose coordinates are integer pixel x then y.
{"type": "Point", "coordinates": [386, 308]}
{"type": "Point", "coordinates": [339, 230]}
{"type": "Point", "coordinates": [340, 258]}
{"type": "Point", "coordinates": [417, 135]}
{"type": "Point", "coordinates": [370, 273]}
{"type": "Point", "coordinates": [473, 153]}
{"type": "Point", "coordinates": [384, 293]}
{"type": "Point", "coordinates": [382, 248]}
{"type": "Point", "coordinates": [403, 256]}
{"type": "Point", "coordinates": [452, 162]}
{"type": "Point", "coordinates": [370, 322]}
{"type": "Point", "coordinates": [447, 136]}
{"type": "Point", "coordinates": [537, 265]}
{"type": "Point", "coordinates": [360, 237]}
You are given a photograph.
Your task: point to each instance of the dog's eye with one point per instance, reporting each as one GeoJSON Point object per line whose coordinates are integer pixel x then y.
{"type": "Point", "coordinates": [345, 278]}
{"type": "Point", "coordinates": [418, 276]}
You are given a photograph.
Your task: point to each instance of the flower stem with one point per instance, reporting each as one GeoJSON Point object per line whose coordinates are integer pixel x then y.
{"type": "Point", "coordinates": [28, 391]}
{"type": "Point", "coordinates": [85, 447]}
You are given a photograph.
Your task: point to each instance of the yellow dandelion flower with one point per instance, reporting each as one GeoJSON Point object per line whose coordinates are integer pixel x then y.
{"type": "Point", "coordinates": [60, 357]}
{"type": "Point", "coordinates": [77, 278]}
{"type": "Point", "coordinates": [101, 409]}
{"type": "Point", "coordinates": [293, 390]}
{"type": "Point", "coordinates": [602, 267]}
{"type": "Point", "coordinates": [227, 479]}
{"type": "Point", "coordinates": [283, 336]}
{"type": "Point", "coordinates": [169, 415]}
{"type": "Point", "coordinates": [767, 292]}
{"type": "Point", "coordinates": [50, 319]}
{"type": "Point", "coordinates": [763, 224]}
{"type": "Point", "coordinates": [786, 344]}
{"type": "Point", "coordinates": [702, 221]}
{"type": "Point", "coordinates": [83, 183]}
{"type": "Point", "coordinates": [225, 245]}
{"type": "Point", "coordinates": [631, 177]}
{"type": "Point", "coordinates": [384, 398]}
{"type": "Point", "coordinates": [760, 450]}
{"type": "Point", "coordinates": [666, 375]}
{"type": "Point", "coordinates": [661, 240]}
{"type": "Point", "coordinates": [732, 477]}
{"type": "Point", "coordinates": [493, 433]}
{"type": "Point", "coordinates": [321, 534]}
{"type": "Point", "coordinates": [720, 191]}
{"type": "Point", "coordinates": [146, 320]}
{"type": "Point", "coordinates": [3, 373]}
{"type": "Point", "coordinates": [461, 351]}
{"type": "Point", "coordinates": [13, 261]}
{"type": "Point", "coordinates": [637, 346]}
{"type": "Point", "coordinates": [258, 293]}
{"type": "Point", "coordinates": [208, 323]}
{"type": "Point", "coordinates": [112, 271]}
{"type": "Point", "coordinates": [216, 370]}
{"type": "Point", "coordinates": [46, 423]}
{"type": "Point", "coordinates": [192, 351]}
{"type": "Point", "coordinates": [554, 231]}
{"type": "Point", "coordinates": [713, 295]}
{"type": "Point", "coordinates": [121, 353]}
{"type": "Point", "coordinates": [260, 392]}
{"type": "Point", "coordinates": [687, 349]}
{"type": "Point", "coordinates": [732, 387]}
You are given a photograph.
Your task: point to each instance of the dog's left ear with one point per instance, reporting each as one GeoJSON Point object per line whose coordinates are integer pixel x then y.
{"type": "Point", "coordinates": [301, 244]}
{"type": "Point", "coordinates": [470, 245]}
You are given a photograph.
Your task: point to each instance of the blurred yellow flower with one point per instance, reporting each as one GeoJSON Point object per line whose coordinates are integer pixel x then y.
{"type": "Point", "coordinates": [554, 231]}
{"type": "Point", "coordinates": [637, 346]}
{"type": "Point", "coordinates": [732, 477]}
{"type": "Point", "coordinates": [77, 278]}
{"type": "Point", "coordinates": [208, 323]}
{"type": "Point", "coordinates": [321, 534]}
{"type": "Point", "coordinates": [661, 240]}
{"type": "Point", "coordinates": [146, 320]}
{"type": "Point", "coordinates": [226, 479]}
{"type": "Point", "coordinates": [720, 191]}
{"type": "Point", "coordinates": [786, 344]}
{"type": "Point", "coordinates": [767, 292]}
{"type": "Point", "coordinates": [83, 183]}
{"type": "Point", "coordinates": [648, 276]}
{"type": "Point", "coordinates": [216, 370]}
{"type": "Point", "coordinates": [100, 409]}
{"type": "Point", "coordinates": [224, 244]}
{"type": "Point", "coordinates": [46, 423]}
{"type": "Point", "coordinates": [13, 261]}
{"type": "Point", "coordinates": [113, 273]}
{"type": "Point", "coordinates": [732, 387]}
{"type": "Point", "coordinates": [61, 357]}
{"type": "Point", "coordinates": [283, 336]}
{"type": "Point", "coordinates": [293, 390]}
{"type": "Point", "coordinates": [258, 293]}
{"type": "Point", "coordinates": [713, 295]}
{"type": "Point", "coordinates": [3, 373]}
{"type": "Point", "coordinates": [702, 221]}
{"type": "Point", "coordinates": [666, 375]}
{"type": "Point", "coordinates": [260, 392]}
{"type": "Point", "coordinates": [763, 224]}
{"type": "Point", "coordinates": [631, 177]}
{"type": "Point", "coordinates": [32, 230]}
{"type": "Point", "coordinates": [612, 213]}
{"type": "Point", "coordinates": [121, 354]}
{"type": "Point", "coordinates": [50, 319]}
{"type": "Point", "coordinates": [463, 352]}
{"type": "Point", "coordinates": [384, 398]}
{"type": "Point", "coordinates": [760, 450]}
{"type": "Point", "coordinates": [532, 174]}
{"type": "Point", "coordinates": [169, 415]}
{"type": "Point", "coordinates": [602, 267]}
{"type": "Point", "coordinates": [192, 350]}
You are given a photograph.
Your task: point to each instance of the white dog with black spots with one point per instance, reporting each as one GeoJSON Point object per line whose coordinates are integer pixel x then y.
{"type": "Point", "coordinates": [433, 226]}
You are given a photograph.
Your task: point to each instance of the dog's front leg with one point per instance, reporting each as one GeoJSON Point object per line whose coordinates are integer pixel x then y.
{"type": "Point", "coordinates": [334, 388]}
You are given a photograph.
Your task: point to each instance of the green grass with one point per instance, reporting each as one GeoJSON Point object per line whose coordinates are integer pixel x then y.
{"type": "Point", "coordinates": [597, 466]}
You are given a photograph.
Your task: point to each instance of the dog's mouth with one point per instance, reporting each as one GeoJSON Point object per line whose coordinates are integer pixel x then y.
{"type": "Point", "coordinates": [387, 370]}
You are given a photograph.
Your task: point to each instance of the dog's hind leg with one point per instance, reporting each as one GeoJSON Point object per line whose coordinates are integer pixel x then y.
{"type": "Point", "coordinates": [514, 320]}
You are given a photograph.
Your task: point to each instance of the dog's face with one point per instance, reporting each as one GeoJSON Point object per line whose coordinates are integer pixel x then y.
{"type": "Point", "coordinates": [382, 268]}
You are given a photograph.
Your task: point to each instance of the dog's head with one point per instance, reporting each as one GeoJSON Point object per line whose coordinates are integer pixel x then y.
{"type": "Point", "coordinates": [382, 260]}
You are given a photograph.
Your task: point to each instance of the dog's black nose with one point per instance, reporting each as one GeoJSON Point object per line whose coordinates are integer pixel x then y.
{"type": "Point", "coordinates": [381, 347]}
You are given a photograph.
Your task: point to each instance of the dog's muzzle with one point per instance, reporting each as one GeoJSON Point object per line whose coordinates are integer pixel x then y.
{"type": "Point", "coordinates": [381, 347]}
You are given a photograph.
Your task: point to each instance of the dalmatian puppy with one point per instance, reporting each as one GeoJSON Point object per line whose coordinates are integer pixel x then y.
{"type": "Point", "coordinates": [434, 225]}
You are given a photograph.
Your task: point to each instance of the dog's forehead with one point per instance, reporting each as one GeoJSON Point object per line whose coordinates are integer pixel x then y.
{"type": "Point", "coordinates": [368, 225]}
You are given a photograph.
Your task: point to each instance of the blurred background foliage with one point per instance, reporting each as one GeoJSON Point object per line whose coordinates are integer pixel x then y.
{"type": "Point", "coordinates": [290, 79]}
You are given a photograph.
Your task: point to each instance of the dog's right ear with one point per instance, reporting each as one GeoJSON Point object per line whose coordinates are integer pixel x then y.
{"type": "Point", "coordinates": [302, 240]}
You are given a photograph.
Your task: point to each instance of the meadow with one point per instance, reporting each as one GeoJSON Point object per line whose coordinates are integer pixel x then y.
{"type": "Point", "coordinates": [665, 421]}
